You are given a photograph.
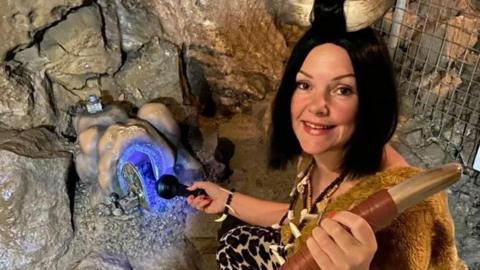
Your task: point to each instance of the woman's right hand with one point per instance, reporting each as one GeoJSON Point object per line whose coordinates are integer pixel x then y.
{"type": "Point", "coordinates": [214, 203]}
{"type": "Point", "coordinates": [343, 241]}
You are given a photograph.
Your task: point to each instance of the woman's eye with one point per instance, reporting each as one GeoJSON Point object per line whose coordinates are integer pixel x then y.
{"type": "Point", "coordinates": [302, 85]}
{"type": "Point", "coordinates": [343, 91]}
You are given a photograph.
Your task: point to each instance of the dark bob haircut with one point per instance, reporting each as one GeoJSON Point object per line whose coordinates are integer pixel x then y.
{"type": "Point", "coordinates": [377, 113]}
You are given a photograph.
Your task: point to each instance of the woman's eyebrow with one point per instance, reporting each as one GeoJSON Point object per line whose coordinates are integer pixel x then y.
{"type": "Point", "coordinates": [343, 76]}
{"type": "Point", "coordinates": [334, 79]}
{"type": "Point", "coordinates": [306, 74]}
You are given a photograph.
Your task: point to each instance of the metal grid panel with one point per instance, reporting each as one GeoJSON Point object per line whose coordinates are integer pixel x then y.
{"type": "Point", "coordinates": [436, 53]}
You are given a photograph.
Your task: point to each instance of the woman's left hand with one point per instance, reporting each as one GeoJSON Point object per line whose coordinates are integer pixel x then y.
{"type": "Point", "coordinates": [344, 241]}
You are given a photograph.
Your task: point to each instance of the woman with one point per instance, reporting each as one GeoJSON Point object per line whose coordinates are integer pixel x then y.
{"type": "Point", "coordinates": [336, 109]}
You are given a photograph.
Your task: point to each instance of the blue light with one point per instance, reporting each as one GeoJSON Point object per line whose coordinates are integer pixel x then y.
{"type": "Point", "coordinates": [151, 162]}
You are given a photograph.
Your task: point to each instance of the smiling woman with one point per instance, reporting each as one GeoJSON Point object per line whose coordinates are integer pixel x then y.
{"type": "Point", "coordinates": [331, 55]}
{"type": "Point", "coordinates": [324, 103]}
{"type": "Point", "coordinates": [335, 111]}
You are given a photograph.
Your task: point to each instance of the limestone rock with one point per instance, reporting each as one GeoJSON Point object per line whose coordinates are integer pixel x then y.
{"type": "Point", "coordinates": [148, 240]}
{"type": "Point", "coordinates": [202, 231]}
{"type": "Point", "coordinates": [73, 54]}
{"type": "Point", "coordinates": [103, 262]}
{"type": "Point", "coordinates": [237, 43]}
{"type": "Point", "coordinates": [25, 101]}
{"type": "Point", "coordinates": [452, 40]}
{"type": "Point", "coordinates": [77, 51]}
{"type": "Point", "coordinates": [199, 87]}
{"type": "Point", "coordinates": [34, 207]}
{"type": "Point", "coordinates": [15, 103]}
{"type": "Point", "coordinates": [447, 84]}
{"type": "Point", "coordinates": [21, 20]}
{"type": "Point", "coordinates": [150, 73]}
{"type": "Point", "coordinates": [414, 138]}
{"type": "Point", "coordinates": [251, 174]}
{"type": "Point", "coordinates": [111, 27]}
{"type": "Point", "coordinates": [410, 19]}
{"type": "Point", "coordinates": [34, 142]}
{"type": "Point", "coordinates": [138, 23]}
{"type": "Point", "coordinates": [180, 257]}
{"type": "Point", "coordinates": [437, 10]}
{"type": "Point", "coordinates": [464, 31]}
{"type": "Point", "coordinates": [204, 142]}
{"type": "Point", "coordinates": [475, 5]}
{"type": "Point", "coordinates": [425, 49]}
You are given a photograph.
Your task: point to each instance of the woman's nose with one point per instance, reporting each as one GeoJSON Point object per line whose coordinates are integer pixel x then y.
{"type": "Point", "coordinates": [318, 104]}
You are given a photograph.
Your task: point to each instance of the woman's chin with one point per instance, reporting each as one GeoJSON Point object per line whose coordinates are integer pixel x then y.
{"type": "Point", "coordinates": [313, 150]}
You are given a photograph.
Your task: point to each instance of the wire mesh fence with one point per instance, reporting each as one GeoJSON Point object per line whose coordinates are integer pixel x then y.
{"type": "Point", "coordinates": [435, 48]}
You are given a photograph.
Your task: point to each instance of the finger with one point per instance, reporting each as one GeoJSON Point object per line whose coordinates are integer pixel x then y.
{"type": "Point", "coordinates": [192, 187]}
{"type": "Point", "coordinates": [340, 235]}
{"type": "Point", "coordinates": [197, 185]}
{"type": "Point", "coordinates": [190, 199]}
{"type": "Point", "coordinates": [320, 257]}
{"type": "Point", "coordinates": [203, 204]}
{"type": "Point", "coordinates": [195, 202]}
{"type": "Point", "coordinates": [201, 197]}
{"type": "Point", "coordinates": [328, 246]}
{"type": "Point", "coordinates": [208, 204]}
{"type": "Point", "coordinates": [358, 226]}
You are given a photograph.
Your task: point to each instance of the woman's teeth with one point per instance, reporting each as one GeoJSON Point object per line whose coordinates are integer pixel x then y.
{"type": "Point", "coordinates": [315, 126]}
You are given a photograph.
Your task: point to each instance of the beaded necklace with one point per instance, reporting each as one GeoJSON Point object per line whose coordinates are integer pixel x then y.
{"type": "Point", "coordinates": [313, 210]}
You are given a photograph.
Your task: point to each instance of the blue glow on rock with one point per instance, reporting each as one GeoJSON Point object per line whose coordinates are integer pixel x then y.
{"type": "Point", "coordinates": [151, 163]}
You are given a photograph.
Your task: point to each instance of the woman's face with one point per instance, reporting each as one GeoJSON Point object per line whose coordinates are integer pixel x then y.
{"type": "Point", "coordinates": [325, 101]}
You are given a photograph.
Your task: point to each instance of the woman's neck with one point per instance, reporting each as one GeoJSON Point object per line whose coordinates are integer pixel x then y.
{"type": "Point", "coordinates": [327, 168]}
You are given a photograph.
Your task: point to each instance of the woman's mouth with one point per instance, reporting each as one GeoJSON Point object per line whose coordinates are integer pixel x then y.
{"type": "Point", "coordinates": [316, 129]}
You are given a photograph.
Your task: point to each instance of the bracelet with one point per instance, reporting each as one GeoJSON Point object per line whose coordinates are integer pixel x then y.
{"type": "Point", "coordinates": [227, 205]}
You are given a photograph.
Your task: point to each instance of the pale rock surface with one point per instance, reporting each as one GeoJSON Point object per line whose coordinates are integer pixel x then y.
{"type": "Point", "coordinates": [103, 262]}
{"type": "Point", "coordinates": [25, 100]}
{"type": "Point", "coordinates": [77, 51]}
{"type": "Point", "coordinates": [150, 73]}
{"type": "Point", "coordinates": [35, 221]}
{"type": "Point", "coordinates": [138, 22]}
{"type": "Point", "coordinates": [237, 43]}
{"type": "Point", "coordinates": [21, 20]}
